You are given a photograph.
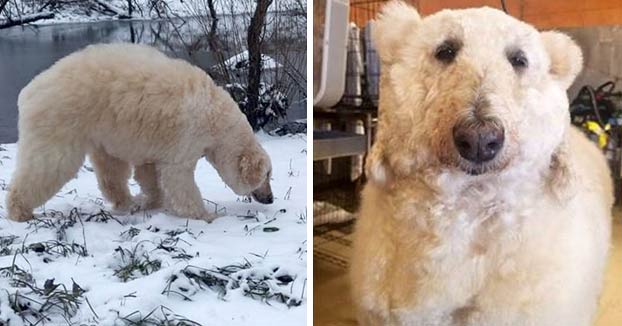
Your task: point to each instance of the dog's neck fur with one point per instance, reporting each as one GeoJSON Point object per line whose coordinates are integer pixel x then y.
{"type": "Point", "coordinates": [450, 192]}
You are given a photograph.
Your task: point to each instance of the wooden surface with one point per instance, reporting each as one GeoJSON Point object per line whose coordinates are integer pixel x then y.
{"type": "Point", "coordinates": [542, 14]}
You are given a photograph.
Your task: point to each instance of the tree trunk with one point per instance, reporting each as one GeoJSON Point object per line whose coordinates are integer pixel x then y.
{"type": "Point", "coordinates": [129, 8]}
{"type": "Point", "coordinates": [132, 33]}
{"type": "Point", "coordinates": [212, 10]}
{"type": "Point", "coordinates": [254, 41]}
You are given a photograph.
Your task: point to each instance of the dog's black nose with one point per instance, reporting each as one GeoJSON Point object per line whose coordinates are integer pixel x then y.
{"type": "Point", "coordinates": [480, 141]}
{"type": "Point", "coordinates": [268, 200]}
{"type": "Point", "coordinates": [263, 198]}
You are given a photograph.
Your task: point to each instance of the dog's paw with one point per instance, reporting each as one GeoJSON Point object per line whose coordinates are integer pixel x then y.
{"type": "Point", "coordinates": [16, 210]}
{"type": "Point", "coordinates": [121, 207]}
{"type": "Point", "coordinates": [20, 217]}
{"type": "Point", "coordinates": [195, 215]}
{"type": "Point", "coordinates": [144, 202]}
{"type": "Point", "coordinates": [210, 217]}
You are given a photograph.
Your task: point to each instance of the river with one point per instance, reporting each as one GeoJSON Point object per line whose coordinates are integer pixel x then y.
{"type": "Point", "coordinates": [27, 51]}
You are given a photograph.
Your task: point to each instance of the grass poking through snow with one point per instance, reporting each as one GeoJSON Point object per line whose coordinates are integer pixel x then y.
{"type": "Point", "coordinates": [135, 262]}
{"type": "Point", "coordinates": [266, 285]}
{"type": "Point", "coordinates": [37, 305]}
{"type": "Point", "coordinates": [79, 264]}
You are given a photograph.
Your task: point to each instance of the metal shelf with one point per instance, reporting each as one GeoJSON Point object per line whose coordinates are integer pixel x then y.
{"type": "Point", "coordinates": [333, 144]}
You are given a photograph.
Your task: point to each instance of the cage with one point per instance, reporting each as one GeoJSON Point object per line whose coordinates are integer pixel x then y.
{"type": "Point", "coordinates": [362, 63]}
{"type": "Point", "coordinates": [343, 133]}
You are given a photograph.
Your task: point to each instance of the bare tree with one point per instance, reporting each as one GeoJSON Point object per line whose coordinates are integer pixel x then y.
{"type": "Point", "coordinates": [254, 40]}
{"type": "Point", "coordinates": [3, 4]}
{"type": "Point", "coordinates": [264, 64]}
{"type": "Point", "coordinates": [212, 9]}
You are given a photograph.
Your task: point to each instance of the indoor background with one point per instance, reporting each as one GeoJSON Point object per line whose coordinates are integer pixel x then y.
{"type": "Point", "coordinates": [344, 130]}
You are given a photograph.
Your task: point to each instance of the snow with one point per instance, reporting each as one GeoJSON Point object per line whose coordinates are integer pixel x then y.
{"type": "Point", "coordinates": [240, 61]}
{"type": "Point", "coordinates": [240, 238]}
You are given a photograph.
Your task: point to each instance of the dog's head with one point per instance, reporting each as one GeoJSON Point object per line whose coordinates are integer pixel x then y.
{"type": "Point", "coordinates": [471, 90]}
{"type": "Point", "coordinates": [255, 174]}
{"type": "Point", "coordinates": [247, 172]}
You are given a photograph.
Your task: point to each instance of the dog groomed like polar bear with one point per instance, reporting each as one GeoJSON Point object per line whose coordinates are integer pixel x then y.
{"type": "Point", "coordinates": [132, 106]}
{"type": "Point", "coordinates": [484, 206]}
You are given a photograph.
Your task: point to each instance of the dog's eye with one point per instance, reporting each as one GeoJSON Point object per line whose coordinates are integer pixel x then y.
{"type": "Point", "coordinates": [518, 60]}
{"type": "Point", "coordinates": [447, 51]}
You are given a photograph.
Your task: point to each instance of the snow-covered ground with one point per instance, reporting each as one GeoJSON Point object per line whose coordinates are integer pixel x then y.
{"type": "Point", "coordinates": [80, 263]}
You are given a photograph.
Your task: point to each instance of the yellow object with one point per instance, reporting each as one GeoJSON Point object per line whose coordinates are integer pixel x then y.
{"type": "Point", "coordinates": [594, 127]}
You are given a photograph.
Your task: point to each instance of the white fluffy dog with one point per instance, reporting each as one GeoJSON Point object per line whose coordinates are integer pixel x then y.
{"type": "Point", "coordinates": [129, 105]}
{"type": "Point", "coordinates": [484, 206]}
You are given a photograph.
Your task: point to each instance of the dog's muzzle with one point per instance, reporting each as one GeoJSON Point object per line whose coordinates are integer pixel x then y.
{"type": "Point", "coordinates": [263, 194]}
{"type": "Point", "coordinates": [478, 140]}
{"type": "Point", "coordinates": [262, 198]}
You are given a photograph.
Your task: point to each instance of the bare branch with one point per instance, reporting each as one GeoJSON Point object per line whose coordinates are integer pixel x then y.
{"type": "Point", "coordinates": [26, 19]}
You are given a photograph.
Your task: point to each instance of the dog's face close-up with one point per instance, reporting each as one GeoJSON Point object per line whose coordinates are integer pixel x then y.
{"type": "Point", "coordinates": [474, 91]}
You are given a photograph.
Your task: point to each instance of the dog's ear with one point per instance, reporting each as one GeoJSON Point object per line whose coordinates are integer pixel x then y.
{"type": "Point", "coordinates": [251, 168]}
{"type": "Point", "coordinates": [395, 21]}
{"type": "Point", "coordinates": [566, 57]}
{"type": "Point", "coordinates": [561, 177]}
{"type": "Point", "coordinates": [376, 168]}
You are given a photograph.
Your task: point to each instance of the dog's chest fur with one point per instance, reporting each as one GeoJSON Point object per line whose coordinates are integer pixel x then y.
{"type": "Point", "coordinates": [453, 245]}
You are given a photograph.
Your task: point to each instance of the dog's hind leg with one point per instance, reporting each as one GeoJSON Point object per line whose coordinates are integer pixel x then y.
{"type": "Point", "coordinates": [181, 194]}
{"type": "Point", "coordinates": [42, 169]}
{"type": "Point", "coordinates": [112, 176]}
{"type": "Point", "coordinates": [147, 177]}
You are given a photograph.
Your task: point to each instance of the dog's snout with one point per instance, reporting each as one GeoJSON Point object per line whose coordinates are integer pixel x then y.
{"type": "Point", "coordinates": [479, 142]}
{"type": "Point", "coordinates": [263, 198]}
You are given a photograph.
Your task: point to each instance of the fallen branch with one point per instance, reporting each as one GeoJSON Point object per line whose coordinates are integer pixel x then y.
{"type": "Point", "coordinates": [112, 9]}
{"type": "Point", "coordinates": [26, 19]}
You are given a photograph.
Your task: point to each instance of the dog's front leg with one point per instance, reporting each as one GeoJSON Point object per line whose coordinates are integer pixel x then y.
{"type": "Point", "coordinates": [181, 194]}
